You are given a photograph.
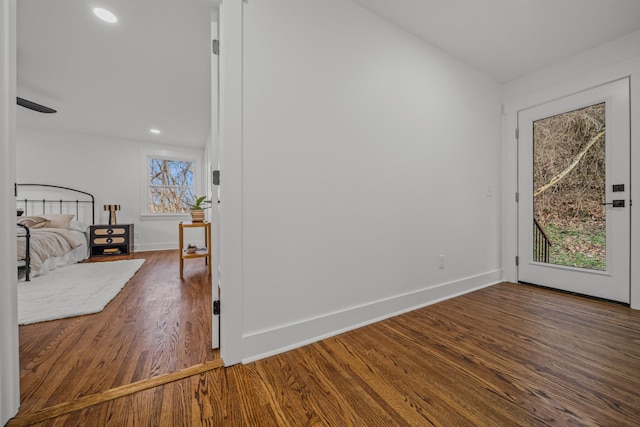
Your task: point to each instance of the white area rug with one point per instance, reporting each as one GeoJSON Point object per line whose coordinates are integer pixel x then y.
{"type": "Point", "coordinates": [73, 290]}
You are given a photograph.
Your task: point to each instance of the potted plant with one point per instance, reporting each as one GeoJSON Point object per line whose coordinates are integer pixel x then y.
{"type": "Point", "coordinates": [198, 207]}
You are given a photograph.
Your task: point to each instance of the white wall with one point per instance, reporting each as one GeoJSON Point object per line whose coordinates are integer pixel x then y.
{"type": "Point", "coordinates": [109, 168]}
{"type": "Point", "coordinates": [609, 62]}
{"type": "Point", "coordinates": [365, 155]}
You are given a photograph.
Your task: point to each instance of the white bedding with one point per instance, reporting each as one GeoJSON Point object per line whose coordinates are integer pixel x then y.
{"type": "Point", "coordinates": [73, 256]}
{"type": "Point", "coordinates": [54, 247]}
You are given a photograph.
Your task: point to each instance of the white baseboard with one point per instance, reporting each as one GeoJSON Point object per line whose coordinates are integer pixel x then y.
{"type": "Point", "coordinates": [278, 340]}
{"type": "Point", "coordinates": [146, 247]}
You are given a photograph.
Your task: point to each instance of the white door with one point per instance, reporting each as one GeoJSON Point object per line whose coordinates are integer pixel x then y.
{"type": "Point", "coordinates": [215, 199]}
{"type": "Point", "coordinates": [573, 191]}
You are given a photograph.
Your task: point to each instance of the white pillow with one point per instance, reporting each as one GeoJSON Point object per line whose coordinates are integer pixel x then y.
{"type": "Point", "coordinates": [58, 220]}
{"type": "Point", "coordinates": [33, 221]}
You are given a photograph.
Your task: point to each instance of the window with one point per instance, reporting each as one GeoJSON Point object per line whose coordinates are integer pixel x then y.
{"type": "Point", "coordinates": [171, 186]}
{"type": "Point", "coordinates": [170, 183]}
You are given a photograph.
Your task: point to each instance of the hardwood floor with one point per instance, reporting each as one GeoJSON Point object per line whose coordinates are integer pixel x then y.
{"type": "Point", "coordinates": [158, 324]}
{"type": "Point", "coordinates": [508, 355]}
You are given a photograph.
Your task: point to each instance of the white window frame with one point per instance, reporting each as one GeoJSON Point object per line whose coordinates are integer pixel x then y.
{"type": "Point", "coordinates": [179, 155]}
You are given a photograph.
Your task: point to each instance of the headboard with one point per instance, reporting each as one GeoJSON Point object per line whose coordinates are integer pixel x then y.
{"type": "Point", "coordinates": [40, 199]}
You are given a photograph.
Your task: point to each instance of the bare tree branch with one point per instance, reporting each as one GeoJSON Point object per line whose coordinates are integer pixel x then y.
{"type": "Point", "coordinates": [572, 165]}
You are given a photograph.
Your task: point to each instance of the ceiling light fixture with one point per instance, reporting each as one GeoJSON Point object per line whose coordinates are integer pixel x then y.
{"type": "Point", "coordinates": [156, 131]}
{"type": "Point", "coordinates": [105, 15]}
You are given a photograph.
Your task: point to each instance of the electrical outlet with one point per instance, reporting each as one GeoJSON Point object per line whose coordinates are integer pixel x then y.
{"type": "Point", "coordinates": [136, 234]}
{"type": "Point", "coordinates": [441, 262]}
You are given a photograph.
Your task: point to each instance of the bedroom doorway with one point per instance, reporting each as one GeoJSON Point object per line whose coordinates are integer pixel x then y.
{"type": "Point", "coordinates": [213, 285]}
{"type": "Point", "coordinates": [574, 186]}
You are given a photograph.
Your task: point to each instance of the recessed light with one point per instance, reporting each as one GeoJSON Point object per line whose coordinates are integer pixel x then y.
{"type": "Point", "coordinates": [156, 131]}
{"type": "Point", "coordinates": [105, 15]}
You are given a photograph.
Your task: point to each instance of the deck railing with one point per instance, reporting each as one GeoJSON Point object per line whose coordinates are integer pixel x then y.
{"type": "Point", "coordinates": [541, 243]}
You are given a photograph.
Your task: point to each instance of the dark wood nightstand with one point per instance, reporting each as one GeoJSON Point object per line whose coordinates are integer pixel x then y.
{"type": "Point", "coordinates": [107, 240]}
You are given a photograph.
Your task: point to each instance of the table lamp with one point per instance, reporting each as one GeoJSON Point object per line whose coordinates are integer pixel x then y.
{"type": "Point", "coordinates": [112, 213]}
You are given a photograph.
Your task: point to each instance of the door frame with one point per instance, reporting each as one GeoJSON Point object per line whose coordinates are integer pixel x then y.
{"type": "Point", "coordinates": [231, 30]}
{"type": "Point", "coordinates": [9, 358]}
{"type": "Point", "coordinates": [563, 80]}
{"type": "Point", "coordinates": [230, 237]}
{"type": "Point", "coordinates": [614, 282]}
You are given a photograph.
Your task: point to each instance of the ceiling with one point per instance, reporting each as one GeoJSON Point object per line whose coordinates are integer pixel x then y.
{"type": "Point", "coordinates": [152, 68]}
{"type": "Point", "coordinates": [508, 39]}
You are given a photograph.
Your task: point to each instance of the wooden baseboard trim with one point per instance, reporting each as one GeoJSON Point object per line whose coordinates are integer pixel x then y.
{"type": "Point", "coordinates": [111, 394]}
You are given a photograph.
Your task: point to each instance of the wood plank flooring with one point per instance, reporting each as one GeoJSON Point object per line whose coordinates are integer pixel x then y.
{"type": "Point", "coordinates": [158, 324]}
{"type": "Point", "coordinates": [507, 355]}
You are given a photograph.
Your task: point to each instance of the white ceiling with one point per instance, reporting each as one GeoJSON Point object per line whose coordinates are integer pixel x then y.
{"type": "Point", "coordinates": [152, 68]}
{"type": "Point", "coordinates": [508, 39]}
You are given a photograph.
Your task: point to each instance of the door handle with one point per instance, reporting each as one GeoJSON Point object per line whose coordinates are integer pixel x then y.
{"type": "Point", "coordinates": [616, 203]}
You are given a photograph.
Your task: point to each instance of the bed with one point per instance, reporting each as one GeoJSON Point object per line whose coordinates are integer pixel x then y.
{"type": "Point", "coordinates": [52, 227]}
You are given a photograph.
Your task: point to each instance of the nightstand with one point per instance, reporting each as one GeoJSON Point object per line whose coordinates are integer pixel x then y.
{"type": "Point", "coordinates": [200, 252]}
{"type": "Point", "coordinates": [106, 240]}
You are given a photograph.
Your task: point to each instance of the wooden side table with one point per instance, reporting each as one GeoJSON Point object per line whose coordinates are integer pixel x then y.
{"type": "Point", "coordinates": [201, 252]}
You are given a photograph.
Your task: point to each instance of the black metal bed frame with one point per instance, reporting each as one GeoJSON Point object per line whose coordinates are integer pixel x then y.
{"type": "Point", "coordinates": [52, 203]}
{"type": "Point", "coordinates": [27, 251]}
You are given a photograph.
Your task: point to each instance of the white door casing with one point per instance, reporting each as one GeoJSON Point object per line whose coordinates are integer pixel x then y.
{"type": "Point", "coordinates": [9, 359]}
{"type": "Point", "coordinates": [230, 160]}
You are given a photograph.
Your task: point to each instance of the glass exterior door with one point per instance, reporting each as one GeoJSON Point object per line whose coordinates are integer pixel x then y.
{"type": "Point", "coordinates": [573, 213]}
